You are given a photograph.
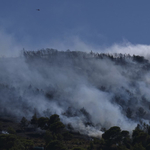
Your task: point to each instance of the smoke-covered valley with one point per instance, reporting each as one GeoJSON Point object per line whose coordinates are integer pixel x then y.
{"type": "Point", "coordinates": [89, 91]}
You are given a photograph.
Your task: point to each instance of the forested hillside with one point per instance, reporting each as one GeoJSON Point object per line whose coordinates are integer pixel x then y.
{"type": "Point", "coordinates": [89, 91]}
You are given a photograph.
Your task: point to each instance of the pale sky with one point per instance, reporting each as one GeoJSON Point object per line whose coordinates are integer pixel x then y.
{"type": "Point", "coordinates": [63, 23]}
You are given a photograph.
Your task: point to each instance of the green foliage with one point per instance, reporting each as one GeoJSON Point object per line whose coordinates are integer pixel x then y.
{"type": "Point", "coordinates": [59, 137]}
{"type": "Point", "coordinates": [140, 137]}
{"type": "Point", "coordinates": [126, 138]}
{"type": "Point", "coordinates": [54, 118]}
{"type": "Point", "coordinates": [57, 126]}
{"type": "Point", "coordinates": [48, 137]}
{"type": "Point", "coordinates": [125, 134]}
{"type": "Point", "coordinates": [10, 130]}
{"type": "Point", "coordinates": [96, 141]}
{"type": "Point", "coordinates": [102, 141]}
{"type": "Point", "coordinates": [138, 146]}
{"type": "Point", "coordinates": [115, 138]}
{"type": "Point", "coordinates": [67, 136]}
{"type": "Point", "coordinates": [113, 135]}
{"type": "Point", "coordinates": [43, 123]}
{"type": "Point", "coordinates": [54, 137]}
{"type": "Point", "coordinates": [12, 142]}
{"type": "Point", "coordinates": [122, 147]}
{"type": "Point", "coordinates": [54, 123]}
{"type": "Point", "coordinates": [7, 141]}
{"type": "Point", "coordinates": [24, 122]}
{"type": "Point", "coordinates": [27, 143]}
{"type": "Point", "coordinates": [34, 120]}
{"type": "Point", "coordinates": [91, 146]}
{"type": "Point", "coordinates": [55, 145]}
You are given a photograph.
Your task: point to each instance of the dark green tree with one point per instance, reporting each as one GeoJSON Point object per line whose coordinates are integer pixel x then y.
{"type": "Point", "coordinates": [57, 127]}
{"type": "Point", "coordinates": [139, 136]}
{"type": "Point", "coordinates": [24, 123]}
{"type": "Point", "coordinates": [11, 130]}
{"type": "Point", "coordinates": [126, 140]}
{"type": "Point", "coordinates": [48, 137]}
{"type": "Point", "coordinates": [54, 124]}
{"type": "Point", "coordinates": [112, 136]}
{"type": "Point", "coordinates": [12, 142]}
{"type": "Point", "coordinates": [43, 123]}
{"type": "Point", "coordinates": [54, 118]}
{"type": "Point", "coordinates": [34, 120]}
{"type": "Point", "coordinates": [138, 146]}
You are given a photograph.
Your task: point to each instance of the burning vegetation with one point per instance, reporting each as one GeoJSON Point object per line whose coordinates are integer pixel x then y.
{"type": "Point", "coordinates": [94, 94]}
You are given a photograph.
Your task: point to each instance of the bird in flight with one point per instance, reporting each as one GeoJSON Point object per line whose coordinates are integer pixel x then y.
{"type": "Point", "coordinates": [38, 9]}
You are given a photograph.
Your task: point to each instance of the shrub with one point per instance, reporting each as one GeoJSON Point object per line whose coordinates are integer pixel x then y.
{"type": "Point", "coordinates": [10, 130]}
{"type": "Point", "coordinates": [48, 137]}
{"type": "Point", "coordinates": [55, 145]}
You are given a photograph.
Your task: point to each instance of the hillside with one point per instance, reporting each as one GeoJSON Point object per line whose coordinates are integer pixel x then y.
{"type": "Point", "coordinates": [90, 91]}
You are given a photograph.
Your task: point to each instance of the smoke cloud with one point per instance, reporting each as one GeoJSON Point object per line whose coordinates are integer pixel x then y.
{"type": "Point", "coordinates": [129, 48]}
{"type": "Point", "coordinates": [8, 45]}
{"type": "Point", "coordinates": [88, 90]}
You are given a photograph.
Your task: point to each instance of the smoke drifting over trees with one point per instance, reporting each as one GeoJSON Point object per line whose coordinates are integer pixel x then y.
{"type": "Point", "coordinates": [89, 91]}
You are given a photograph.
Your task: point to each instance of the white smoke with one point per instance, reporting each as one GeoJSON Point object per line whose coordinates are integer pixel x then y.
{"type": "Point", "coordinates": [73, 82]}
{"type": "Point", "coordinates": [129, 48]}
{"type": "Point", "coordinates": [8, 45]}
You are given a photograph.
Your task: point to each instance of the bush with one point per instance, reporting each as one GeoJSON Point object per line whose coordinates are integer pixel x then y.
{"type": "Point", "coordinates": [59, 137]}
{"type": "Point", "coordinates": [24, 123]}
{"type": "Point", "coordinates": [48, 137]}
{"type": "Point", "coordinates": [42, 123]}
{"type": "Point", "coordinates": [55, 145]}
{"type": "Point", "coordinates": [12, 142]}
{"type": "Point", "coordinates": [10, 130]}
{"type": "Point", "coordinates": [34, 120]}
{"type": "Point", "coordinates": [67, 136]}
{"type": "Point", "coordinates": [57, 126]}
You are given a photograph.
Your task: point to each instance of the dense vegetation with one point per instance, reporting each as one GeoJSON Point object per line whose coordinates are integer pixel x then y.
{"type": "Point", "coordinates": [79, 100]}
{"type": "Point", "coordinates": [54, 135]}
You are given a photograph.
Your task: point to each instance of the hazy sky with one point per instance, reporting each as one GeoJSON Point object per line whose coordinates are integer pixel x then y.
{"type": "Point", "coordinates": [94, 22]}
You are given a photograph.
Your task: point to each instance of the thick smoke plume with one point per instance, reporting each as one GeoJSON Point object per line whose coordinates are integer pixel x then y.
{"type": "Point", "coordinates": [89, 91]}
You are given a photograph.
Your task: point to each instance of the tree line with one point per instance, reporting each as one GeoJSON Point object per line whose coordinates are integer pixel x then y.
{"type": "Point", "coordinates": [57, 136]}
